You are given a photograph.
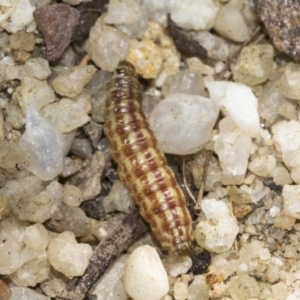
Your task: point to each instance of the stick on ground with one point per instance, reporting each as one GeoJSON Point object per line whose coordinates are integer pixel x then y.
{"type": "Point", "coordinates": [121, 237]}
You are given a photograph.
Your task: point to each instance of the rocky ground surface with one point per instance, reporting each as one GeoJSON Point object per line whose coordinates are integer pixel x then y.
{"type": "Point", "coordinates": [221, 85]}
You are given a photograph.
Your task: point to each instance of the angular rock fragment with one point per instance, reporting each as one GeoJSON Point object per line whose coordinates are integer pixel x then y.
{"type": "Point", "coordinates": [282, 21]}
{"type": "Point", "coordinates": [184, 44]}
{"type": "Point", "coordinates": [57, 23]}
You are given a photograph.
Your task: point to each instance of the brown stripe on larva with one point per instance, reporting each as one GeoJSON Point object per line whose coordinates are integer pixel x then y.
{"type": "Point", "coordinates": [141, 165]}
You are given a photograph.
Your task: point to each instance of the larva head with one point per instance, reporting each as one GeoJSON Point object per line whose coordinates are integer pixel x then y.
{"type": "Point", "coordinates": [125, 68]}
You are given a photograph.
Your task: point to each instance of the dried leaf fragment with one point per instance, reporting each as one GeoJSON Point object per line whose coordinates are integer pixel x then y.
{"type": "Point", "coordinates": [282, 21]}
{"type": "Point", "coordinates": [184, 44]}
{"type": "Point", "coordinates": [57, 23]}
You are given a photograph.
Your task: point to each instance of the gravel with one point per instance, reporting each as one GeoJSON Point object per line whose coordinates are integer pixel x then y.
{"type": "Point", "coordinates": [218, 93]}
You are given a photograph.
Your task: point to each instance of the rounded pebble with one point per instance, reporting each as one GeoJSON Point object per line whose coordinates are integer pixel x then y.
{"type": "Point", "coordinates": [144, 276]}
{"type": "Point", "coordinates": [183, 123]}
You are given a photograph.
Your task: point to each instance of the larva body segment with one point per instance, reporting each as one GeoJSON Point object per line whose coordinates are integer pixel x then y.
{"type": "Point", "coordinates": [141, 165]}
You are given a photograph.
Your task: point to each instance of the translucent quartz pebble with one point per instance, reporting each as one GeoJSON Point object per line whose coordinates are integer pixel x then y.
{"type": "Point", "coordinates": [40, 207]}
{"type": "Point", "coordinates": [70, 82]}
{"type": "Point", "coordinates": [17, 15]}
{"type": "Point", "coordinates": [136, 30]}
{"type": "Point", "coordinates": [254, 64]}
{"type": "Point", "coordinates": [75, 220]}
{"type": "Point", "coordinates": [146, 58]}
{"type": "Point", "coordinates": [270, 102]}
{"type": "Point", "coordinates": [194, 14]}
{"type": "Point", "coordinates": [38, 68]}
{"type": "Point", "coordinates": [183, 123]}
{"type": "Point", "coordinates": [184, 82]}
{"type": "Point", "coordinates": [19, 293]}
{"type": "Point", "coordinates": [289, 83]}
{"type": "Point", "coordinates": [198, 289]}
{"type": "Point", "coordinates": [66, 115]}
{"type": "Point", "coordinates": [45, 145]}
{"type": "Point", "coordinates": [14, 247]}
{"type": "Point", "coordinates": [34, 67]}
{"type": "Point", "coordinates": [216, 47]}
{"type": "Point", "coordinates": [218, 232]}
{"type": "Point", "coordinates": [286, 136]}
{"type": "Point", "coordinates": [32, 272]}
{"type": "Point", "coordinates": [123, 12]}
{"type": "Point", "coordinates": [262, 165]}
{"type": "Point", "coordinates": [33, 93]}
{"type": "Point", "coordinates": [118, 199]}
{"type": "Point", "coordinates": [230, 23]}
{"type": "Point", "coordinates": [106, 46]}
{"type": "Point", "coordinates": [243, 287]}
{"type": "Point", "coordinates": [237, 101]}
{"type": "Point", "coordinates": [72, 195]}
{"type": "Point", "coordinates": [233, 147]}
{"type": "Point", "coordinates": [291, 203]}
{"type": "Point", "coordinates": [67, 256]}
{"type": "Point", "coordinates": [144, 275]}
{"type": "Point", "coordinates": [53, 286]}
{"type": "Point", "coordinates": [10, 154]}
{"type": "Point", "coordinates": [178, 265]}
{"type": "Point", "coordinates": [110, 286]}
{"type": "Point", "coordinates": [88, 179]}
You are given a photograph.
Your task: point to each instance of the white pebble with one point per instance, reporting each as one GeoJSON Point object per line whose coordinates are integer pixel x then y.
{"type": "Point", "coordinates": [33, 93]}
{"type": "Point", "coordinates": [70, 82]}
{"type": "Point", "coordinates": [67, 256]}
{"type": "Point", "coordinates": [288, 84]}
{"type": "Point", "coordinates": [194, 14]}
{"type": "Point", "coordinates": [41, 206]}
{"type": "Point", "coordinates": [118, 199]}
{"type": "Point", "coordinates": [72, 195]}
{"type": "Point", "coordinates": [274, 211]}
{"type": "Point", "coordinates": [19, 293]}
{"type": "Point", "coordinates": [144, 276]}
{"type": "Point", "coordinates": [16, 15]}
{"type": "Point", "coordinates": [291, 203]}
{"type": "Point", "coordinates": [183, 123]}
{"type": "Point", "coordinates": [233, 147]}
{"type": "Point", "coordinates": [66, 115]}
{"type": "Point", "coordinates": [218, 232]}
{"type": "Point", "coordinates": [37, 68]}
{"type": "Point", "coordinates": [231, 24]}
{"type": "Point", "coordinates": [14, 252]}
{"type": "Point", "coordinates": [102, 40]}
{"type": "Point", "coordinates": [262, 165]}
{"type": "Point", "coordinates": [45, 145]}
{"type": "Point", "coordinates": [123, 12]}
{"type": "Point", "coordinates": [254, 65]}
{"type": "Point", "coordinates": [237, 101]}
{"type": "Point", "coordinates": [178, 265]}
{"type": "Point", "coordinates": [286, 136]}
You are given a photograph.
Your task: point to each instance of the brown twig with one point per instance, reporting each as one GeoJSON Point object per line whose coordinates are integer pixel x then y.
{"type": "Point", "coordinates": [197, 207]}
{"type": "Point", "coordinates": [121, 237]}
{"type": "Point", "coordinates": [185, 182]}
{"type": "Point", "coordinates": [221, 75]}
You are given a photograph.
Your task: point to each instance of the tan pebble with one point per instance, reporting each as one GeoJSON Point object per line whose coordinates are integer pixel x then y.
{"type": "Point", "coordinates": [22, 40]}
{"type": "Point", "coordinates": [146, 58]}
{"type": "Point", "coordinates": [240, 211]}
{"type": "Point", "coordinates": [180, 289]}
{"type": "Point", "coordinates": [21, 56]}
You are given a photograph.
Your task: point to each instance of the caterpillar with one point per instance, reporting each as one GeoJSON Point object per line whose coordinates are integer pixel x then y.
{"type": "Point", "coordinates": [142, 165]}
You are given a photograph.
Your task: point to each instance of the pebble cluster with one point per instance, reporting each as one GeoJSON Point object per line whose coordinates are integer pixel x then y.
{"type": "Point", "coordinates": [216, 95]}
